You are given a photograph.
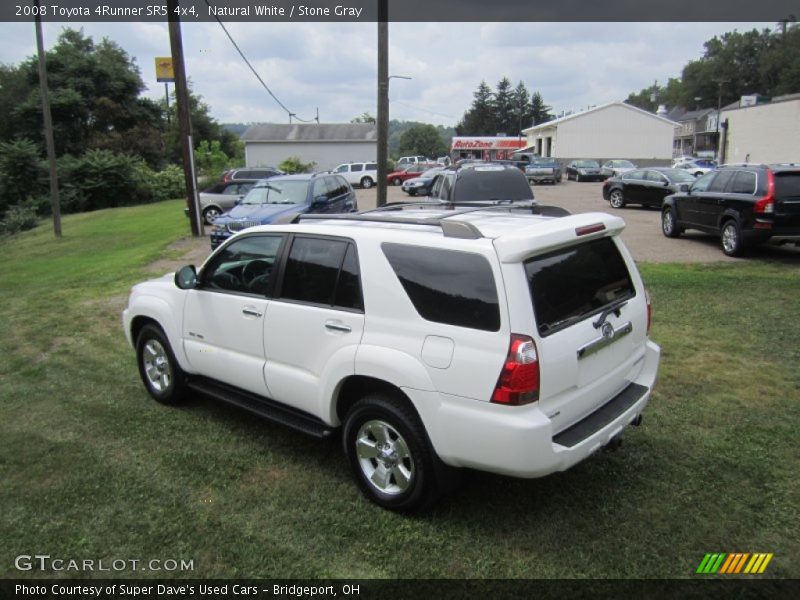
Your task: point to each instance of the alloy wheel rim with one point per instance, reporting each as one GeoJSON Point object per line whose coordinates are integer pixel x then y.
{"type": "Point", "coordinates": [156, 365]}
{"type": "Point", "coordinates": [616, 199]}
{"type": "Point", "coordinates": [211, 214]}
{"type": "Point", "coordinates": [729, 238]}
{"type": "Point", "coordinates": [384, 457]}
{"type": "Point", "coordinates": [667, 222]}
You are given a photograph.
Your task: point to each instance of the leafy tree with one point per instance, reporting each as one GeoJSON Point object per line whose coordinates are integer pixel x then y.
{"type": "Point", "coordinates": [398, 128]}
{"type": "Point", "coordinates": [539, 111]}
{"type": "Point", "coordinates": [364, 118]}
{"type": "Point", "coordinates": [422, 139]}
{"type": "Point", "coordinates": [20, 172]}
{"type": "Point", "coordinates": [293, 164]}
{"type": "Point", "coordinates": [210, 160]}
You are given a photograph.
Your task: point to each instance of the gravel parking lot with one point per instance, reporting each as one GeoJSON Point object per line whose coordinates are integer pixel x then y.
{"type": "Point", "coordinates": [642, 233]}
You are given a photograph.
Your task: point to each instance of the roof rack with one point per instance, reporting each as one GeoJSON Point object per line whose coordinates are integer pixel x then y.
{"type": "Point", "coordinates": [450, 228]}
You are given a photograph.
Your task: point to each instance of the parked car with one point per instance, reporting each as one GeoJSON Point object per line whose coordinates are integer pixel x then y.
{"type": "Point", "coordinates": [405, 161]}
{"type": "Point", "coordinates": [584, 170]}
{"type": "Point", "coordinates": [543, 169]}
{"type": "Point", "coordinates": [284, 195]}
{"type": "Point", "coordinates": [482, 181]}
{"type": "Point", "coordinates": [222, 197]}
{"type": "Point", "coordinates": [421, 186]}
{"type": "Point", "coordinates": [444, 161]}
{"type": "Point", "coordinates": [647, 187]}
{"type": "Point", "coordinates": [364, 174]}
{"type": "Point", "coordinates": [696, 167]}
{"type": "Point", "coordinates": [428, 339]}
{"type": "Point", "coordinates": [742, 204]}
{"type": "Point", "coordinates": [251, 173]}
{"type": "Point", "coordinates": [398, 176]}
{"type": "Point", "coordinates": [612, 168]}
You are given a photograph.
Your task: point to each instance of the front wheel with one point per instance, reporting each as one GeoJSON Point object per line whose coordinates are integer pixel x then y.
{"type": "Point", "coordinates": [669, 223]}
{"type": "Point", "coordinates": [366, 183]}
{"type": "Point", "coordinates": [160, 372]}
{"type": "Point", "coordinates": [390, 455]}
{"type": "Point", "coordinates": [211, 213]}
{"type": "Point", "coordinates": [397, 181]}
{"type": "Point", "coordinates": [617, 199]}
{"type": "Point", "coordinates": [731, 238]}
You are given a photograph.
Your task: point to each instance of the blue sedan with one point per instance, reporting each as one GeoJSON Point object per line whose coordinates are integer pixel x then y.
{"type": "Point", "coordinates": [283, 196]}
{"type": "Point", "coordinates": [421, 186]}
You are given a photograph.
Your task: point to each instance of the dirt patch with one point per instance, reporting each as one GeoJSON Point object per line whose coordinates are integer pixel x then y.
{"type": "Point", "coordinates": [187, 250]}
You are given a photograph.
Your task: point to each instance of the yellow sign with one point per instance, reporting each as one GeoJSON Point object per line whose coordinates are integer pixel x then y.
{"type": "Point", "coordinates": [164, 70]}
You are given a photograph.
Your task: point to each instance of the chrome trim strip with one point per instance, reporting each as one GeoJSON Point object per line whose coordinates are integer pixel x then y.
{"type": "Point", "coordinates": [604, 341]}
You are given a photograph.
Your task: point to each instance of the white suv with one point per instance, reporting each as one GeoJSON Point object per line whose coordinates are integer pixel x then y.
{"type": "Point", "coordinates": [432, 339]}
{"type": "Point", "coordinates": [364, 174]}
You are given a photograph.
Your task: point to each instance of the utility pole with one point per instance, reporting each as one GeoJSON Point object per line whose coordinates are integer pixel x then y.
{"type": "Point", "coordinates": [184, 122]}
{"type": "Point", "coordinates": [55, 204]}
{"type": "Point", "coordinates": [383, 98]}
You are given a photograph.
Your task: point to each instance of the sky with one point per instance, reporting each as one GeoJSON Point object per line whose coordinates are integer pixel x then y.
{"type": "Point", "coordinates": [333, 66]}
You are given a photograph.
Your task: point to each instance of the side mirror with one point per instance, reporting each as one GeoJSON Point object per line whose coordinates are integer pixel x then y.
{"type": "Point", "coordinates": [239, 200]}
{"type": "Point", "coordinates": [186, 278]}
{"type": "Point", "coordinates": [322, 199]}
{"type": "Point", "coordinates": [684, 187]}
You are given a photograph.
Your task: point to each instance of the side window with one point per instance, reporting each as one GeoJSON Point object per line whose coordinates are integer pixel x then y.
{"type": "Point", "coordinates": [320, 187]}
{"type": "Point", "coordinates": [702, 184]}
{"type": "Point", "coordinates": [634, 176]}
{"type": "Point", "coordinates": [245, 187]}
{"type": "Point", "coordinates": [244, 266]}
{"type": "Point", "coordinates": [371, 167]}
{"type": "Point", "coordinates": [446, 286]}
{"type": "Point", "coordinates": [322, 271]}
{"type": "Point", "coordinates": [341, 169]}
{"type": "Point", "coordinates": [345, 186]}
{"type": "Point", "coordinates": [721, 181]}
{"type": "Point", "coordinates": [231, 189]}
{"type": "Point", "coordinates": [743, 183]}
{"type": "Point", "coordinates": [447, 184]}
{"type": "Point", "coordinates": [655, 176]}
{"type": "Point", "coordinates": [358, 167]}
{"type": "Point", "coordinates": [332, 186]}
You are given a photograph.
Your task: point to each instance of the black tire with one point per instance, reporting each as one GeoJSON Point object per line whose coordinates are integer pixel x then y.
{"type": "Point", "coordinates": [161, 374]}
{"type": "Point", "coordinates": [416, 479]}
{"type": "Point", "coordinates": [616, 198]}
{"type": "Point", "coordinates": [730, 238]}
{"type": "Point", "coordinates": [412, 192]}
{"type": "Point", "coordinates": [669, 223]}
{"type": "Point", "coordinates": [210, 213]}
{"type": "Point", "coordinates": [397, 181]}
{"type": "Point", "coordinates": [366, 182]}
{"type": "Point", "coordinates": [577, 177]}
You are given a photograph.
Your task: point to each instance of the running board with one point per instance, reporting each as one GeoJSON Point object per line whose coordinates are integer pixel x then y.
{"type": "Point", "coordinates": [263, 407]}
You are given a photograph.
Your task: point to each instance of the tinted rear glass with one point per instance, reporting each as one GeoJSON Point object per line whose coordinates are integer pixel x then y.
{"type": "Point", "coordinates": [571, 284]}
{"type": "Point", "coordinates": [787, 185]}
{"type": "Point", "coordinates": [445, 286]}
{"type": "Point", "coordinates": [484, 184]}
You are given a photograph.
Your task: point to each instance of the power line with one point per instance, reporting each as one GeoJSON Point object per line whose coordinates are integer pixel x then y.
{"type": "Point", "coordinates": [433, 112]}
{"type": "Point", "coordinates": [261, 81]}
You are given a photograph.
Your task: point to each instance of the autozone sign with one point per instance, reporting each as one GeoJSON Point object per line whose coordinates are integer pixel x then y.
{"type": "Point", "coordinates": [486, 143]}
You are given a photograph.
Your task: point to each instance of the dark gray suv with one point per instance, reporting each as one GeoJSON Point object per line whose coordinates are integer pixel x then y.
{"type": "Point", "coordinates": [743, 204]}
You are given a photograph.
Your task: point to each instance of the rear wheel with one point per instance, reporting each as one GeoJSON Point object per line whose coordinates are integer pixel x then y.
{"type": "Point", "coordinates": [397, 181]}
{"type": "Point", "coordinates": [731, 238]}
{"type": "Point", "coordinates": [366, 182]}
{"type": "Point", "coordinates": [389, 454]}
{"type": "Point", "coordinates": [669, 223]}
{"type": "Point", "coordinates": [617, 198]}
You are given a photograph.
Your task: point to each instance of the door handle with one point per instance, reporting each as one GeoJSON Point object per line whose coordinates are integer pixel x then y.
{"type": "Point", "coordinates": [250, 311]}
{"type": "Point", "coordinates": [337, 326]}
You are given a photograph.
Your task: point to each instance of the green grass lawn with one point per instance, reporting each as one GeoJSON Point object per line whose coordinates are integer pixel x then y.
{"type": "Point", "coordinates": [90, 467]}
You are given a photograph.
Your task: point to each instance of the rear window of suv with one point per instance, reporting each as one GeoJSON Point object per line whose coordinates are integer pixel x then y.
{"type": "Point", "coordinates": [447, 286]}
{"type": "Point", "coordinates": [787, 185]}
{"type": "Point", "coordinates": [573, 283]}
{"type": "Point", "coordinates": [491, 183]}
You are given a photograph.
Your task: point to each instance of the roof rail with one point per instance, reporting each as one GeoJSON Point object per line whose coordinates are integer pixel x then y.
{"type": "Point", "coordinates": [454, 229]}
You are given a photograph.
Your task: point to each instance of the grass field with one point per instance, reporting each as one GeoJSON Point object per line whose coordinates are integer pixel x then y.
{"type": "Point", "coordinates": [90, 467]}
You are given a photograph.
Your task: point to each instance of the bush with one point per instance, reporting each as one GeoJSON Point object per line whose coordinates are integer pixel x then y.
{"type": "Point", "coordinates": [21, 174]}
{"type": "Point", "coordinates": [19, 218]}
{"type": "Point", "coordinates": [210, 160]}
{"type": "Point", "coordinates": [293, 164]}
{"type": "Point", "coordinates": [168, 184]}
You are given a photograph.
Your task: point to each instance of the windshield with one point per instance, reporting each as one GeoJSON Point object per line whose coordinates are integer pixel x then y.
{"type": "Point", "coordinates": [680, 176]}
{"type": "Point", "coordinates": [623, 164]}
{"type": "Point", "coordinates": [278, 192]}
{"type": "Point", "coordinates": [586, 164]}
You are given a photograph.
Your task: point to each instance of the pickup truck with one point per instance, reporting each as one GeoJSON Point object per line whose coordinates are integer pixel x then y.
{"type": "Point", "coordinates": [543, 169]}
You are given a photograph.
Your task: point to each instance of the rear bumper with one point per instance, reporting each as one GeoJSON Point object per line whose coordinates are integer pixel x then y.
{"type": "Point", "coordinates": [520, 441]}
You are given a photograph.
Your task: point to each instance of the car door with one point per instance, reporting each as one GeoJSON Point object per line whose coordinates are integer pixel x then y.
{"type": "Point", "coordinates": [222, 330]}
{"type": "Point", "coordinates": [337, 194]}
{"type": "Point", "coordinates": [687, 205]}
{"type": "Point", "coordinates": [315, 323]}
{"type": "Point", "coordinates": [634, 187]}
{"type": "Point", "coordinates": [657, 188]}
{"type": "Point", "coordinates": [711, 203]}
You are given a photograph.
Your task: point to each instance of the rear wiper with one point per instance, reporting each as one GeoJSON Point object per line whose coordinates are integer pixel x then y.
{"type": "Point", "coordinates": [611, 308]}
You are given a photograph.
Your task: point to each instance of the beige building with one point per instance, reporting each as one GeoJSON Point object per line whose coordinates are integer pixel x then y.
{"type": "Point", "coordinates": [763, 133]}
{"type": "Point", "coordinates": [615, 130]}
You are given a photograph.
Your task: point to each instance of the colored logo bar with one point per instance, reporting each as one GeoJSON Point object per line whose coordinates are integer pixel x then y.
{"type": "Point", "coordinates": [734, 563]}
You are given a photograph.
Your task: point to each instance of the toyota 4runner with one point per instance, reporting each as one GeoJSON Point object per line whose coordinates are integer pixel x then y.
{"type": "Point", "coordinates": [430, 338]}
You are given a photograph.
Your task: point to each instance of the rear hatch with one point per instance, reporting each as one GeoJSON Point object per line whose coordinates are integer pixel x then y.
{"type": "Point", "coordinates": [787, 201]}
{"type": "Point", "coordinates": [589, 322]}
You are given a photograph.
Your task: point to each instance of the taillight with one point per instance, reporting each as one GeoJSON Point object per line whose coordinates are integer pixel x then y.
{"type": "Point", "coordinates": [519, 380]}
{"type": "Point", "coordinates": [766, 205]}
{"type": "Point", "coordinates": [649, 311]}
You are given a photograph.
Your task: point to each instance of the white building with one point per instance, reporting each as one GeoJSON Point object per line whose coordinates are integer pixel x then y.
{"type": "Point", "coordinates": [615, 130]}
{"type": "Point", "coordinates": [326, 144]}
{"type": "Point", "coordinates": [763, 133]}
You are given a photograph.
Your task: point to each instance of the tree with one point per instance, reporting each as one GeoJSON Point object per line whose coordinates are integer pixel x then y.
{"type": "Point", "coordinates": [422, 139]}
{"type": "Point", "coordinates": [523, 108]}
{"type": "Point", "coordinates": [539, 111]}
{"type": "Point", "coordinates": [364, 118]}
{"type": "Point", "coordinates": [506, 115]}
{"type": "Point", "coordinates": [479, 119]}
